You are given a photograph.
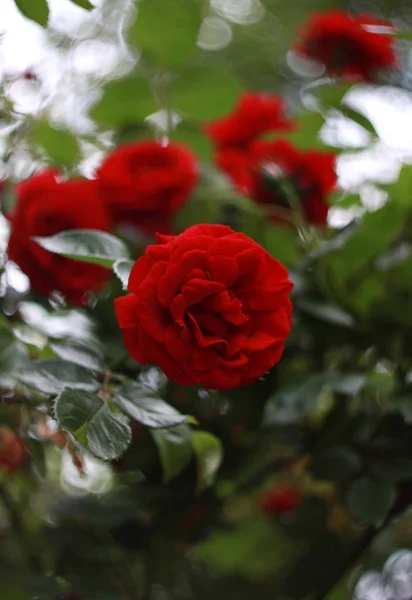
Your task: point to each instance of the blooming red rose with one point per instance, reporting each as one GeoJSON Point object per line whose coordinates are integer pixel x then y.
{"type": "Point", "coordinates": [45, 206]}
{"type": "Point", "coordinates": [13, 453]}
{"type": "Point", "coordinates": [146, 183]}
{"type": "Point", "coordinates": [210, 307]}
{"type": "Point", "coordinates": [274, 170]}
{"type": "Point", "coordinates": [254, 115]}
{"type": "Point", "coordinates": [348, 45]}
{"type": "Point", "coordinates": [281, 499]}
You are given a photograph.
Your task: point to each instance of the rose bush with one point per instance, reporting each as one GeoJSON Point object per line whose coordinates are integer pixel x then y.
{"type": "Point", "coordinates": [185, 434]}
{"type": "Point", "coordinates": [209, 306]}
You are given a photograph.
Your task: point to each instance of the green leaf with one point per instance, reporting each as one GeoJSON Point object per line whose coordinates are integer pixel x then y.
{"type": "Point", "coordinates": [35, 10]}
{"type": "Point", "coordinates": [256, 548]}
{"type": "Point", "coordinates": [354, 115]}
{"type": "Point", "coordinates": [52, 376]}
{"type": "Point", "coordinates": [86, 245]}
{"type": "Point", "coordinates": [333, 93]}
{"type": "Point", "coordinates": [403, 35]}
{"type": "Point", "coordinates": [61, 146]}
{"type": "Point", "coordinates": [192, 136]}
{"type": "Point", "coordinates": [91, 421]}
{"type": "Point", "coordinates": [306, 136]}
{"type": "Point", "coordinates": [84, 4]}
{"type": "Point", "coordinates": [108, 435]}
{"type": "Point", "coordinates": [370, 501]}
{"type": "Point", "coordinates": [337, 464]}
{"type": "Point", "coordinates": [206, 92]}
{"type": "Point", "coordinates": [144, 405]}
{"type": "Point", "coordinates": [391, 469]}
{"type": "Point", "coordinates": [298, 400]}
{"type": "Point", "coordinates": [282, 243]}
{"type": "Point", "coordinates": [78, 353]}
{"type": "Point", "coordinates": [124, 102]}
{"type": "Point", "coordinates": [72, 409]}
{"type": "Point", "coordinates": [328, 313]}
{"type": "Point", "coordinates": [175, 449]}
{"type": "Point", "coordinates": [122, 269]}
{"type": "Point", "coordinates": [209, 456]}
{"type": "Point", "coordinates": [166, 33]}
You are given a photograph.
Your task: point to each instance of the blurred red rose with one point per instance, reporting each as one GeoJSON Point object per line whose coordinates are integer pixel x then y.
{"type": "Point", "coordinates": [281, 499]}
{"type": "Point", "coordinates": [45, 206]}
{"type": "Point", "coordinates": [254, 115]}
{"type": "Point", "coordinates": [210, 307]}
{"type": "Point", "coordinates": [146, 183]}
{"type": "Point", "coordinates": [13, 452]}
{"type": "Point", "coordinates": [355, 46]}
{"type": "Point", "coordinates": [274, 170]}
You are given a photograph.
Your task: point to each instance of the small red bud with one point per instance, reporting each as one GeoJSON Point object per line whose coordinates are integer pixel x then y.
{"type": "Point", "coordinates": [281, 499]}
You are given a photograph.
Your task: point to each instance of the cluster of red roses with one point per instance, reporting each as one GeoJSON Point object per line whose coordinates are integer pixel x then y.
{"type": "Point", "coordinates": [210, 306]}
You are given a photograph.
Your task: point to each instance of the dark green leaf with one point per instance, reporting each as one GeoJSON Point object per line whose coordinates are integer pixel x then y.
{"type": "Point", "coordinates": [91, 422]}
{"type": "Point", "coordinates": [86, 245]}
{"type": "Point", "coordinates": [175, 449]}
{"type": "Point", "coordinates": [391, 469]}
{"type": "Point", "coordinates": [84, 4]}
{"type": "Point", "coordinates": [370, 501]}
{"type": "Point", "coordinates": [209, 455]}
{"type": "Point", "coordinates": [35, 10]}
{"type": "Point", "coordinates": [298, 400]}
{"type": "Point", "coordinates": [122, 269]}
{"type": "Point", "coordinates": [60, 145]}
{"type": "Point", "coordinates": [336, 464]}
{"type": "Point", "coordinates": [124, 102]}
{"type": "Point", "coordinates": [72, 409]}
{"type": "Point", "coordinates": [144, 405]}
{"type": "Point", "coordinates": [108, 435]}
{"type": "Point", "coordinates": [206, 92]}
{"type": "Point", "coordinates": [52, 376]}
{"type": "Point", "coordinates": [168, 39]}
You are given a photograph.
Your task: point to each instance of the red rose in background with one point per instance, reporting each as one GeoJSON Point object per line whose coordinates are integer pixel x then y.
{"type": "Point", "coordinates": [210, 307]}
{"type": "Point", "coordinates": [254, 115]}
{"type": "Point", "coordinates": [45, 206]}
{"type": "Point", "coordinates": [13, 453]}
{"type": "Point", "coordinates": [281, 499]}
{"type": "Point", "coordinates": [275, 169]}
{"type": "Point", "coordinates": [146, 183]}
{"type": "Point", "coordinates": [348, 45]}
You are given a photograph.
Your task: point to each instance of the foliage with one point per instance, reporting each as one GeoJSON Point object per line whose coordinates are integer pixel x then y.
{"type": "Point", "coordinates": [132, 486]}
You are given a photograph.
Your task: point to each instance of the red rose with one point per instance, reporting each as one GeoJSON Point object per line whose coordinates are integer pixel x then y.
{"type": "Point", "coordinates": [210, 307]}
{"type": "Point", "coordinates": [45, 206]}
{"type": "Point", "coordinates": [273, 170]}
{"type": "Point", "coordinates": [281, 499]}
{"type": "Point", "coordinates": [146, 183]}
{"type": "Point", "coordinates": [13, 453]}
{"type": "Point", "coordinates": [254, 115]}
{"type": "Point", "coordinates": [348, 45]}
